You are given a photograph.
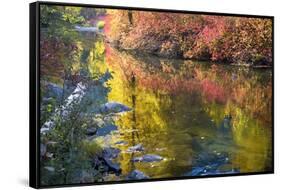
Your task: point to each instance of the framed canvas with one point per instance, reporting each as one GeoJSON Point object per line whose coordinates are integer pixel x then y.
{"type": "Point", "coordinates": [122, 94]}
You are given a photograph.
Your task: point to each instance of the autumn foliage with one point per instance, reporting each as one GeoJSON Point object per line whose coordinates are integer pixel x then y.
{"type": "Point", "coordinates": [238, 40]}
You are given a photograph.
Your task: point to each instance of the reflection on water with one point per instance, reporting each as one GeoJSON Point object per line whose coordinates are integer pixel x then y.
{"type": "Point", "coordinates": [201, 118]}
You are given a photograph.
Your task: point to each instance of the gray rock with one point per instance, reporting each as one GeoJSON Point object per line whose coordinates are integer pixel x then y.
{"type": "Point", "coordinates": [121, 143]}
{"type": "Point", "coordinates": [110, 153]}
{"type": "Point", "coordinates": [137, 175]}
{"type": "Point", "coordinates": [49, 155]}
{"type": "Point", "coordinates": [112, 166]}
{"type": "Point", "coordinates": [49, 168]}
{"type": "Point", "coordinates": [47, 126]}
{"type": "Point", "coordinates": [43, 149]}
{"type": "Point", "coordinates": [136, 148]}
{"type": "Point", "coordinates": [106, 129]}
{"type": "Point", "coordinates": [148, 158]}
{"type": "Point", "coordinates": [91, 131]}
{"type": "Point", "coordinates": [86, 29]}
{"type": "Point", "coordinates": [53, 90]}
{"type": "Point", "coordinates": [114, 107]}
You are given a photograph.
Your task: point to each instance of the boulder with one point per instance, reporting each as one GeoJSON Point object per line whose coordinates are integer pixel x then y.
{"type": "Point", "coordinates": [136, 148]}
{"type": "Point", "coordinates": [110, 153]}
{"type": "Point", "coordinates": [113, 107]}
{"type": "Point", "coordinates": [43, 149]}
{"type": "Point", "coordinates": [53, 90]}
{"type": "Point", "coordinates": [106, 129]}
{"type": "Point", "coordinates": [114, 167]}
{"type": "Point", "coordinates": [91, 131]}
{"type": "Point", "coordinates": [148, 158]}
{"type": "Point", "coordinates": [137, 175]}
{"type": "Point", "coordinates": [121, 143]}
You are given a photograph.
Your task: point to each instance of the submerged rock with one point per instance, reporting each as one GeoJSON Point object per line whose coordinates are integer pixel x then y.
{"type": "Point", "coordinates": [105, 163]}
{"type": "Point", "coordinates": [91, 131]}
{"type": "Point", "coordinates": [226, 124]}
{"type": "Point", "coordinates": [107, 129]}
{"type": "Point", "coordinates": [210, 170]}
{"type": "Point", "coordinates": [121, 143]}
{"type": "Point", "coordinates": [113, 107]}
{"type": "Point", "coordinates": [137, 175]}
{"type": "Point", "coordinates": [136, 148]}
{"type": "Point", "coordinates": [148, 158]}
{"type": "Point", "coordinates": [211, 164]}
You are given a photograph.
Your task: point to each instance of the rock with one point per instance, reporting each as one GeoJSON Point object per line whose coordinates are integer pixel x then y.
{"type": "Point", "coordinates": [99, 122]}
{"type": "Point", "coordinates": [47, 126]}
{"type": "Point", "coordinates": [86, 29]}
{"type": "Point", "coordinates": [91, 131]}
{"type": "Point", "coordinates": [113, 107]}
{"type": "Point", "coordinates": [73, 99]}
{"type": "Point", "coordinates": [202, 171]}
{"type": "Point", "coordinates": [106, 130]}
{"type": "Point", "coordinates": [137, 175]}
{"type": "Point", "coordinates": [121, 143]}
{"type": "Point", "coordinates": [148, 158]}
{"type": "Point", "coordinates": [49, 168]}
{"type": "Point", "coordinates": [211, 164]}
{"type": "Point", "coordinates": [46, 100]}
{"type": "Point", "coordinates": [49, 155]}
{"type": "Point", "coordinates": [51, 143]}
{"type": "Point", "coordinates": [110, 153]}
{"type": "Point", "coordinates": [196, 171]}
{"type": "Point", "coordinates": [136, 148]}
{"type": "Point", "coordinates": [114, 167]}
{"type": "Point", "coordinates": [43, 149]}
{"type": "Point", "coordinates": [225, 127]}
{"type": "Point", "coordinates": [53, 90]}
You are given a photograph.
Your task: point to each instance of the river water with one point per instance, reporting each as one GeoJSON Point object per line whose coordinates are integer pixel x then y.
{"type": "Point", "coordinates": [202, 118]}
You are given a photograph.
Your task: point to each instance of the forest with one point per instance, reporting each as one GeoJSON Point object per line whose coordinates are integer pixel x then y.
{"type": "Point", "coordinates": [135, 95]}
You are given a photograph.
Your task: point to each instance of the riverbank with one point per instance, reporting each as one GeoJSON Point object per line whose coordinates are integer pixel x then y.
{"type": "Point", "coordinates": [147, 53]}
{"type": "Point", "coordinates": [229, 40]}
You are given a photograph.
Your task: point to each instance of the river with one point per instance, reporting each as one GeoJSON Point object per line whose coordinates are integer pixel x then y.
{"type": "Point", "coordinates": [201, 118]}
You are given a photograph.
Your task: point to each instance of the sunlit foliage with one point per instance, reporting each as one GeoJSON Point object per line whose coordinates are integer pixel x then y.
{"type": "Point", "coordinates": [217, 38]}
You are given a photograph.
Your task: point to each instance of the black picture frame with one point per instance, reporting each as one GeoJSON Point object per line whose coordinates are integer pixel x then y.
{"type": "Point", "coordinates": [34, 92]}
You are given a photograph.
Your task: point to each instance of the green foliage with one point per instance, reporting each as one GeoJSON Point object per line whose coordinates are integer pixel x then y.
{"type": "Point", "coordinates": [91, 148]}
{"type": "Point", "coordinates": [59, 21]}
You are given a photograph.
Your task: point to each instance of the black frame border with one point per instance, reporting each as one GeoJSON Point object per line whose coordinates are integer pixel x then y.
{"type": "Point", "coordinates": [34, 92]}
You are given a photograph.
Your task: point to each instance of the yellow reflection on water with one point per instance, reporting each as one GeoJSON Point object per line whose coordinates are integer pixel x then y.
{"type": "Point", "coordinates": [175, 105]}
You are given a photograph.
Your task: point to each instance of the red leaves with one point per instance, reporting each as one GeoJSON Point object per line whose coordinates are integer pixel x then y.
{"type": "Point", "coordinates": [52, 56]}
{"type": "Point", "coordinates": [216, 38]}
{"type": "Point", "coordinates": [212, 91]}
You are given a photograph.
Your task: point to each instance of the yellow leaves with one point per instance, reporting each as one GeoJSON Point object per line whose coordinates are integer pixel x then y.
{"type": "Point", "coordinates": [96, 59]}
